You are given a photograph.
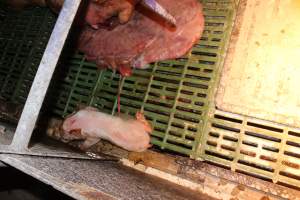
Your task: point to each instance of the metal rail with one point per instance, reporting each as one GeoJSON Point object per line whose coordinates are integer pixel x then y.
{"type": "Point", "coordinates": [43, 77]}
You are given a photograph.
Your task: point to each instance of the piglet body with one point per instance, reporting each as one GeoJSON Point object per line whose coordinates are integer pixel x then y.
{"type": "Point", "coordinates": [92, 125]}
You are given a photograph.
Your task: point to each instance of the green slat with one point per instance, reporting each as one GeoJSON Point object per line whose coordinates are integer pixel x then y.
{"type": "Point", "coordinates": [168, 83]}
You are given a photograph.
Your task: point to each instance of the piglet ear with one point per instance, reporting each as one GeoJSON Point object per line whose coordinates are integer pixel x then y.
{"type": "Point", "coordinates": [76, 132]}
{"type": "Point", "coordinates": [81, 107]}
{"type": "Point", "coordinates": [78, 107]}
{"type": "Point", "coordinates": [70, 115]}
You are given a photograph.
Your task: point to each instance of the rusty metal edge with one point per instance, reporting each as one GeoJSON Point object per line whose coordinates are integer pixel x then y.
{"type": "Point", "coordinates": [46, 153]}
{"type": "Point", "coordinates": [205, 174]}
{"type": "Point", "coordinates": [198, 170]}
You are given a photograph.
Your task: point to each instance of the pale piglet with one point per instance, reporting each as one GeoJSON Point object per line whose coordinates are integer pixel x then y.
{"type": "Point", "coordinates": [91, 125]}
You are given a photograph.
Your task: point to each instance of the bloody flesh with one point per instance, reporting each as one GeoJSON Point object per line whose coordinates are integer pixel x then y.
{"type": "Point", "coordinates": [146, 38]}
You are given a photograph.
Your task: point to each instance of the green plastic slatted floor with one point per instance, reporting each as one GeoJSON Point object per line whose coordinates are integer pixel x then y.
{"type": "Point", "coordinates": [173, 94]}
{"type": "Point", "coordinates": [176, 95]}
{"type": "Point", "coordinates": [23, 38]}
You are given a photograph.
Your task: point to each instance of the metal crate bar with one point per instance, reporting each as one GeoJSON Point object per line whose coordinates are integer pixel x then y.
{"type": "Point", "coordinates": [42, 79]}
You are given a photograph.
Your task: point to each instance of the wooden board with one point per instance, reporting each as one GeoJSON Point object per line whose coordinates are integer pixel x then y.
{"type": "Point", "coordinates": [261, 75]}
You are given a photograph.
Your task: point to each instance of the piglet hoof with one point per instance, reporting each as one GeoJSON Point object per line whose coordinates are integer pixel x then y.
{"type": "Point", "coordinates": [82, 147]}
{"type": "Point", "coordinates": [141, 118]}
{"type": "Point", "coordinates": [88, 143]}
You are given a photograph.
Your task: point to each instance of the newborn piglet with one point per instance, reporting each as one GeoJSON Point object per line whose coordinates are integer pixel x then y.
{"type": "Point", "coordinates": [91, 125]}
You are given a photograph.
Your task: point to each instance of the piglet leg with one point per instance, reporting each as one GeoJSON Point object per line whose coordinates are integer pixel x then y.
{"type": "Point", "coordinates": [140, 117]}
{"type": "Point", "coordinates": [89, 142]}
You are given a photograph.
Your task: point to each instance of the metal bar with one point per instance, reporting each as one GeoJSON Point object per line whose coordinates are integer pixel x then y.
{"type": "Point", "coordinates": [86, 180]}
{"type": "Point", "coordinates": [42, 147]}
{"type": "Point", "coordinates": [44, 151]}
{"type": "Point", "coordinates": [44, 74]}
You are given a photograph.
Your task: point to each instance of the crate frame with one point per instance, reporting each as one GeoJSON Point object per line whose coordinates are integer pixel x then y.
{"type": "Point", "coordinates": [41, 82]}
{"type": "Point", "coordinates": [210, 116]}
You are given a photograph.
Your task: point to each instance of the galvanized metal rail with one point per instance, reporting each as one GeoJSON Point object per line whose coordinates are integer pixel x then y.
{"type": "Point", "coordinates": [41, 83]}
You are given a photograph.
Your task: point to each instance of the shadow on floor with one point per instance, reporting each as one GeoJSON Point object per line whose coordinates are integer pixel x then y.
{"type": "Point", "coordinates": [15, 185]}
